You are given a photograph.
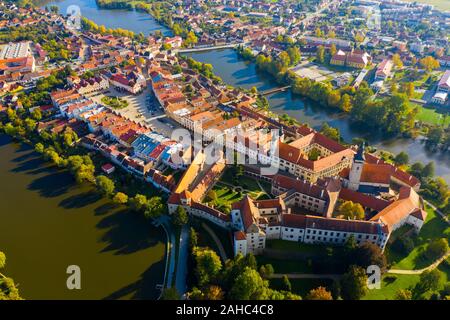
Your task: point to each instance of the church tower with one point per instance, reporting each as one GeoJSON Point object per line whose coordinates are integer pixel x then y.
{"type": "Point", "coordinates": [356, 170]}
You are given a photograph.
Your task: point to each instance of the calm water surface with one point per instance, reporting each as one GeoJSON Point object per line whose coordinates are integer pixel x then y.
{"type": "Point", "coordinates": [47, 222]}
{"type": "Point", "coordinates": [125, 19]}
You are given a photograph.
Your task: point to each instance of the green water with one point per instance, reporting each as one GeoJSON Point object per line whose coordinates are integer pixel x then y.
{"type": "Point", "coordinates": [47, 223]}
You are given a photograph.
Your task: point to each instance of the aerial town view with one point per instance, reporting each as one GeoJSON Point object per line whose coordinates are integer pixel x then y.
{"type": "Point", "coordinates": [224, 150]}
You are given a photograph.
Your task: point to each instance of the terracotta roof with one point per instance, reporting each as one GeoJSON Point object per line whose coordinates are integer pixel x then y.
{"type": "Point", "coordinates": [376, 173]}
{"type": "Point", "coordinates": [300, 186]}
{"type": "Point", "coordinates": [249, 212]}
{"type": "Point", "coordinates": [407, 203]}
{"type": "Point", "coordinates": [294, 220]}
{"type": "Point", "coordinates": [357, 226]}
{"type": "Point", "coordinates": [395, 172]}
{"type": "Point", "coordinates": [239, 235]}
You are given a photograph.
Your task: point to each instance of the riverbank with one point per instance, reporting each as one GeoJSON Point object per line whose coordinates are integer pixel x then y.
{"type": "Point", "coordinates": [49, 223]}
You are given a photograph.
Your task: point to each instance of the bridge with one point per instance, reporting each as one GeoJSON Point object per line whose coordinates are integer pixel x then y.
{"type": "Point", "coordinates": [208, 48]}
{"type": "Point", "coordinates": [274, 90]}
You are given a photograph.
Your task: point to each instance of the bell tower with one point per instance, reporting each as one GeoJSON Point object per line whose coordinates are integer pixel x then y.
{"type": "Point", "coordinates": [356, 170]}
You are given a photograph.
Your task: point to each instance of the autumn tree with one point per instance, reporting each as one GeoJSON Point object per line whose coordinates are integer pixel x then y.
{"type": "Point", "coordinates": [346, 103]}
{"type": "Point", "coordinates": [397, 61]}
{"type": "Point", "coordinates": [319, 293]}
{"type": "Point", "coordinates": [120, 198]}
{"type": "Point", "coordinates": [403, 294]}
{"type": "Point", "coordinates": [351, 210]}
{"type": "Point", "coordinates": [429, 63]}
{"type": "Point", "coordinates": [320, 54]}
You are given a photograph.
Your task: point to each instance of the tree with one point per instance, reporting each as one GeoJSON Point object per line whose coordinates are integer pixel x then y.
{"type": "Point", "coordinates": [429, 281]}
{"type": "Point", "coordinates": [368, 254]}
{"type": "Point", "coordinates": [180, 217]}
{"type": "Point", "coordinates": [350, 210]}
{"type": "Point", "coordinates": [208, 265]}
{"type": "Point", "coordinates": [333, 50]}
{"type": "Point", "coordinates": [397, 60]}
{"type": "Point", "coordinates": [286, 283]}
{"type": "Point", "coordinates": [294, 55]}
{"type": "Point", "coordinates": [283, 61]}
{"type": "Point", "coordinates": [401, 159]}
{"type": "Point", "coordinates": [193, 238]}
{"type": "Point", "coordinates": [429, 63]}
{"type": "Point", "coordinates": [359, 37]}
{"type": "Point", "coordinates": [318, 33]}
{"type": "Point", "coordinates": [39, 147]}
{"type": "Point", "coordinates": [138, 202]}
{"type": "Point", "coordinates": [428, 170]}
{"type": "Point", "coordinates": [354, 284]}
{"type": "Point", "coordinates": [331, 34]}
{"type": "Point", "coordinates": [249, 286]}
{"type": "Point", "coordinates": [330, 132]}
{"type": "Point", "coordinates": [36, 114]}
{"type": "Point", "coordinates": [2, 260]}
{"type": "Point", "coordinates": [191, 39]}
{"type": "Point", "coordinates": [437, 248]}
{"type": "Point", "coordinates": [403, 294]}
{"type": "Point", "coordinates": [170, 294]}
{"type": "Point", "coordinates": [105, 185]}
{"type": "Point", "coordinates": [154, 207]}
{"type": "Point", "coordinates": [319, 293]}
{"type": "Point", "coordinates": [120, 198]}
{"type": "Point", "coordinates": [214, 293]}
{"type": "Point", "coordinates": [320, 54]}
{"type": "Point", "coordinates": [408, 88]}
{"type": "Point", "coordinates": [346, 103]}
{"type": "Point", "coordinates": [266, 271]}
{"type": "Point", "coordinates": [334, 99]}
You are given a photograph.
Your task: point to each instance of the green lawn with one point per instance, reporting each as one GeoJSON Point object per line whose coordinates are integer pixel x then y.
{"type": "Point", "coordinates": [302, 286]}
{"type": "Point", "coordinates": [432, 116]}
{"type": "Point", "coordinates": [433, 228]}
{"type": "Point", "coordinates": [401, 281]}
{"type": "Point", "coordinates": [298, 247]}
{"type": "Point", "coordinates": [285, 266]}
{"type": "Point", "coordinates": [389, 288]}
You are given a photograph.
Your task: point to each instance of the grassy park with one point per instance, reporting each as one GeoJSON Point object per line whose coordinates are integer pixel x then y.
{"type": "Point", "coordinates": [433, 228]}
{"type": "Point", "coordinates": [115, 102]}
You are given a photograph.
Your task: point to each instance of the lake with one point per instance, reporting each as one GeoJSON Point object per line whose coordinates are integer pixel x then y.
{"type": "Point", "coordinates": [48, 222]}
{"type": "Point", "coordinates": [125, 19]}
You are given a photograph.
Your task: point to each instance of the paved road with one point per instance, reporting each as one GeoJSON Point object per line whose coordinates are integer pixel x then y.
{"type": "Point", "coordinates": [420, 271]}
{"type": "Point", "coordinates": [183, 251]}
{"type": "Point", "coordinates": [170, 270]}
{"type": "Point", "coordinates": [222, 253]}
